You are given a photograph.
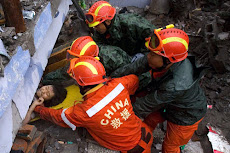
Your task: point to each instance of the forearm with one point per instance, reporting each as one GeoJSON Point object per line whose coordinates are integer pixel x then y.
{"type": "Point", "coordinates": [51, 115]}
{"type": "Point", "coordinates": [28, 116]}
{"type": "Point", "coordinates": [138, 67]}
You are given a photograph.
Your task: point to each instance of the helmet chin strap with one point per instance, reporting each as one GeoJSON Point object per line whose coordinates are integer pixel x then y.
{"type": "Point", "coordinates": [107, 26]}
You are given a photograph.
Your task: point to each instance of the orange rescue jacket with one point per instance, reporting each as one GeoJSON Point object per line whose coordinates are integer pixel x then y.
{"type": "Point", "coordinates": [106, 113]}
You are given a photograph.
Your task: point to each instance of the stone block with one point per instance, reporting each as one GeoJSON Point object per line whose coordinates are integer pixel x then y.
{"type": "Point", "coordinates": [159, 7]}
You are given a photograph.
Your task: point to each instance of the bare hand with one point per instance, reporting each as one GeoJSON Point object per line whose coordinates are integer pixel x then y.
{"type": "Point", "coordinates": [38, 101]}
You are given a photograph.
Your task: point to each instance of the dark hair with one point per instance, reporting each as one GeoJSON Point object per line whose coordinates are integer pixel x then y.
{"type": "Point", "coordinates": [59, 96]}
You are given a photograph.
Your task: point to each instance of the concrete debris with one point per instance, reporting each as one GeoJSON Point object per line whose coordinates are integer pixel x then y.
{"type": "Point", "coordinates": [159, 7]}
{"type": "Point", "coordinates": [4, 58]}
{"type": "Point", "coordinates": [28, 14]}
{"type": "Point", "coordinates": [223, 36]}
{"type": "Point", "coordinates": [219, 143]}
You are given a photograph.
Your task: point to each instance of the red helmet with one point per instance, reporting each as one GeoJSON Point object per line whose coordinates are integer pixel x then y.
{"type": "Point", "coordinates": [169, 42]}
{"type": "Point", "coordinates": [87, 70]}
{"type": "Point", "coordinates": [83, 46]}
{"type": "Point", "coordinates": [99, 12]}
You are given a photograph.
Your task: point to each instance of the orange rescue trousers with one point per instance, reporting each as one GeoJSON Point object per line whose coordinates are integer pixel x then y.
{"type": "Point", "coordinates": [176, 135]}
{"type": "Point", "coordinates": [144, 145]}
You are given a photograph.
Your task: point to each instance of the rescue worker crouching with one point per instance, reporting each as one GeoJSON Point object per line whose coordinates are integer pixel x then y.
{"type": "Point", "coordinates": [106, 111]}
{"type": "Point", "coordinates": [127, 31]}
{"type": "Point", "coordinates": [176, 95]}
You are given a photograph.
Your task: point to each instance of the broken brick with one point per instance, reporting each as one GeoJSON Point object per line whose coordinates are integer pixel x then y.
{"type": "Point", "coordinates": [41, 146]}
{"type": "Point", "coordinates": [19, 144]}
{"type": "Point", "coordinates": [33, 145]}
{"type": "Point", "coordinates": [27, 132]}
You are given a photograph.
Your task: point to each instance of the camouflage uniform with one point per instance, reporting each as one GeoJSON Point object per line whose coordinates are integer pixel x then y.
{"type": "Point", "coordinates": [127, 31]}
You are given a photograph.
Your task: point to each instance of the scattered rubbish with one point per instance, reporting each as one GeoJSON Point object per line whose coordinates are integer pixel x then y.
{"type": "Point", "coordinates": [57, 145]}
{"type": "Point", "coordinates": [192, 147]}
{"type": "Point", "coordinates": [28, 14]}
{"type": "Point", "coordinates": [82, 4]}
{"type": "Point", "coordinates": [19, 34]}
{"type": "Point", "coordinates": [158, 146]}
{"type": "Point", "coordinates": [209, 106]}
{"type": "Point", "coordinates": [1, 29]}
{"type": "Point", "coordinates": [4, 58]}
{"type": "Point", "coordinates": [62, 142]}
{"type": "Point", "coordinates": [15, 37]}
{"type": "Point", "coordinates": [223, 36]}
{"type": "Point", "coordinates": [219, 143]}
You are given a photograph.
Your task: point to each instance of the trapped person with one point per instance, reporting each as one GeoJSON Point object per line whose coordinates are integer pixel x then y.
{"type": "Point", "coordinates": [176, 95]}
{"type": "Point", "coordinates": [106, 111]}
{"type": "Point", "coordinates": [49, 95]}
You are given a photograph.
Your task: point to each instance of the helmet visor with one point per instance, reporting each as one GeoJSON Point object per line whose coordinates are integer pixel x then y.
{"type": "Point", "coordinates": [154, 41]}
{"type": "Point", "coordinates": [89, 18]}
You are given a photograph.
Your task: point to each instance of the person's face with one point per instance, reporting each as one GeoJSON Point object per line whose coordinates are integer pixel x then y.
{"type": "Point", "coordinates": [46, 92]}
{"type": "Point", "coordinates": [155, 61]}
{"type": "Point", "coordinates": [100, 28]}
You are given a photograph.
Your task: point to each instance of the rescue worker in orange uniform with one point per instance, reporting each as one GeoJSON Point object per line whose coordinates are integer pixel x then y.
{"type": "Point", "coordinates": [106, 111]}
{"type": "Point", "coordinates": [176, 95]}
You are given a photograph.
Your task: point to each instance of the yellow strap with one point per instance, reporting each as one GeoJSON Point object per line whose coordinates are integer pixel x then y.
{"type": "Point", "coordinates": [166, 27]}
{"type": "Point", "coordinates": [93, 89]}
{"type": "Point", "coordinates": [86, 47]}
{"type": "Point", "coordinates": [99, 7]}
{"type": "Point", "coordinates": [175, 39]}
{"type": "Point", "coordinates": [90, 66]}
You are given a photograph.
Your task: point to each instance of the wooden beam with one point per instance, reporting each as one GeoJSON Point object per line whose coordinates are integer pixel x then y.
{"type": "Point", "coordinates": [58, 56]}
{"type": "Point", "coordinates": [13, 15]}
{"type": "Point", "coordinates": [55, 66]}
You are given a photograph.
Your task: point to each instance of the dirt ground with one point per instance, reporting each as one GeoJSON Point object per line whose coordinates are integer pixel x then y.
{"type": "Point", "coordinates": [208, 30]}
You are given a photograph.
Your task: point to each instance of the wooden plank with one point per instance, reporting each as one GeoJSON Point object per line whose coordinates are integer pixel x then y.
{"type": "Point", "coordinates": [58, 56]}
{"type": "Point", "coordinates": [56, 66]}
{"type": "Point", "coordinates": [13, 15]}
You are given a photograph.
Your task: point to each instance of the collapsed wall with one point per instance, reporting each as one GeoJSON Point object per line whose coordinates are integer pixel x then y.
{"type": "Point", "coordinates": [25, 68]}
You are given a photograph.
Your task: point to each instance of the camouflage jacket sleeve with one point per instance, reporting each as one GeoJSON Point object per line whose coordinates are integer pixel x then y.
{"type": "Point", "coordinates": [113, 57]}
{"type": "Point", "coordinates": [138, 67]}
{"type": "Point", "coordinates": [153, 102]}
